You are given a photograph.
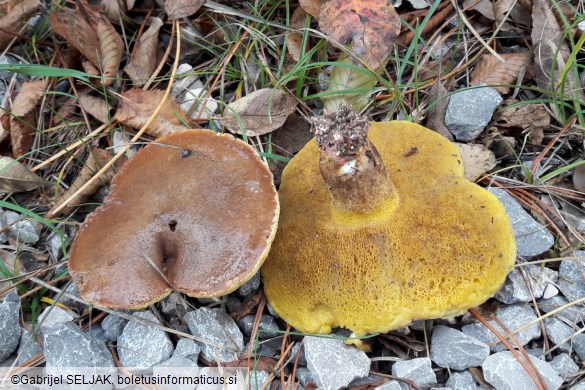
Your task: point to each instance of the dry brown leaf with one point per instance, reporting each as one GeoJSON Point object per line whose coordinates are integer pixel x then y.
{"type": "Point", "coordinates": [177, 9]}
{"type": "Point", "coordinates": [64, 112]}
{"type": "Point", "coordinates": [436, 115]}
{"type": "Point", "coordinates": [295, 40]}
{"type": "Point", "coordinates": [15, 19]}
{"type": "Point", "coordinates": [115, 9]}
{"type": "Point", "coordinates": [579, 178]}
{"type": "Point", "coordinates": [4, 126]}
{"type": "Point", "coordinates": [369, 26]}
{"type": "Point", "coordinates": [491, 71]}
{"type": "Point", "coordinates": [293, 135]}
{"type": "Point", "coordinates": [477, 160]}
{"type": "Point", "coordinates": [95, 161]}
{"type": "Point", "coordinates": [111, 50]}
{"type": "Point", "coordinates": [23, 118]}
{"type": "Point", "coordinates": [96, 107]}
{"type": "Point", "coordinates": [260, 112]}
{"type": "Point", "coordinates": [143, 62]}
{"type": "Point", "coordinates": [531, 118]}
{"type": "Point", "coordinates": [313, 7]}
{"type": "Point", "coordinates": [15, 177]}
{"type": "Point", "coordinates": [73, 26]}
{"type": "Point", "coordinates": [137, 105]}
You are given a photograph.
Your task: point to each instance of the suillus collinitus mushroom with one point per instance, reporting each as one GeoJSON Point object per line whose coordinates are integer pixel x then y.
{"type": "Point", "coordinates": [378, 228]}
{"type": "Point", "coordinates": [194, 212]}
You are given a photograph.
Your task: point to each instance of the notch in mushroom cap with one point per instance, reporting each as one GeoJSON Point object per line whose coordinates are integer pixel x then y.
{"type": "Point", "coordinates": [378, 228]}
{"type": "Point", "coordinates": [194, 212]}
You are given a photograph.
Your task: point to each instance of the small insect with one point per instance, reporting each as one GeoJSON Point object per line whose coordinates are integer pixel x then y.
{"type": "Point", "coordinates": [412, 151]}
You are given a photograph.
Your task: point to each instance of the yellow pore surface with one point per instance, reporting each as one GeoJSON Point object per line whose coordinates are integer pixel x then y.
{"type": "Point", "coordinates": [441, 246]}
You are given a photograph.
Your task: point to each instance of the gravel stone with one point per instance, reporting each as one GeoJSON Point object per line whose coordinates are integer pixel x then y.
{"type": "Point", "coordinates": [143, 346]}
{"type": "Point", "coordinates": [53, 317]}
{"type": "Point", "coordinates": [558, 331]}
{"type": "Point", "coordinates": [550, 291]}
{"type": "Point", "coordinates": [217, 327]}
{"type": "Point", "coordinates": [419, 370]}
{"type": "Point", "coordinates": [96, 332]}
{"type": "Point", "coordinates": [333, 364]}
{"type": "Point", "coordinates": [4, 234]}
{"type": "Point", "coordinates": [67, 346]}
{"type": "Point", "coordinates": [54, 245]}
{"type": "Point", "coordinates": [461, 381]}
{"type": "Point", "coordinates": [257, 379]}
{"type": "Point", "coordinates": [233, 303]}
{"type": "Point", "coordinates": [580, 386]}
{"type": "Point", "coordinates": [113, 326]}
{"type": "Point", "coordinates": [250, 287]}
{"type": "Point", "coordinates": [579, 345]}
{"type": "Point", "coordinates": [482, 102]}
{"type": "Point", "coordinates": [73, 290]}
{"type": "Point", "coordinates": [25, 230]}
{"type": "Point", "coordinates": [176, 367]}
{"type": "Point", "coordinates": [267, 323]}
{"type": "Point", "coordinates": [294, 351]}
{"type": "Point", "coordinates": [173, 306]}
{"type": "Point", "coordinates": [195, 101]}
{"type": "Point", "coordinates": [564, 366]}
{"type": "Point", "coordinates": [188, 349]}
{"type": "Point", "coordinates": [504, 372]}
{"type": "Point", "coordinates": [304, 376]}
{"type": "Point", "coordinates": [571, 282]}
{"type": "Point", "coordinates": [532, 238]}
{"type": "Point", "coordinates": [9, 325]}
{"type": "Point", "coordinates": [390, 385]}
{"type": "Point", "coordinates": [452, 349]}
{"type": "Point", "coordinates": [573, 313]}
{"type": "Point", "coordinates": [515, 290]}
{"type": "Point", "coordinates": [513, 317]}
{"type": "Point", "coordinates": [27, 347]}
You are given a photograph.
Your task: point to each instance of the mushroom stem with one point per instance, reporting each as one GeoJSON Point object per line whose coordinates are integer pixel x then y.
{"type": "Point", "coordinates": [350, 165]}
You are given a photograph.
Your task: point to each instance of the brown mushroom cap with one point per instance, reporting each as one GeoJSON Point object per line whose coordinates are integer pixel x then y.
{"type": "Point", "coordinates": [202, 207]}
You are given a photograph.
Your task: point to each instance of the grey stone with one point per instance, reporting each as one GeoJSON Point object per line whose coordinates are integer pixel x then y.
{"type": "Point", "coordinates": [113, 326]}
{"type": "Point", "coordinates": [503, 371]}
{"type": "Point", "coordinates": [27, 347]}
{"type": "Point", "coordinates": [558, 331]}
{"type": "Point", "coordinates": [580, 386]}
{"type": "Point", "coordinates": [295, 349]}
{"type": "Point", "coordinates": [515, 289]}
{"type": "Point", "coordinates": [564, 366]}
{"type": "Point", "coordinates": [251, 286]}
{"type": "Point", "coordinates": [366, 380]}
{"type": "Point", "coordinates": [257, 379]}
{"type": "Point", "coordinates": [304, 376]}
{"type": "Point", "coordinates": [215, 373]}
{"type": "Point", "coordinates": [233, 303]}
{"type": "Point", "coordinates": [579, 345]}
{"type": "Point", "coordinates": [9, 325]}
{"type": "Point", "coordinates": [173, 306]}
{"type": "Point", "coordinates": [67, 346]}
{"type": "Point", "coordinates": [176, 367]}
{"type": "Point", "coordinates": [418, 370]}
{"type": "Point", "coordinates": [53, 316]}
{"type": "Point", "coordinates": [54, 244]}
{"type": "Point", "coordinates": [550, 291]}
{"type": "Point", "coordinates": [218, 328]}
{"type": "Point", "coordinates": [73, 290]}
{"type": "Point", "coordinates": [143, 346]}
{"type": "Point", "coordinates": [513, 317]}
{"type": "Point", "coordinates": [96, 332]}
{"type": "Point", "coordinates": [536, 352]}
{"type": "Point", "coordinates": [453, 349]}
{"type": "Point", "coordinates": [469, 111]}
{"type": "Point", "coordinates": [188, 349]}
{"type": "Point", "coordinates": [571, 281]}
{"type": "Point", "coordinates": [532, 238]}
{"type": "Point", "coordinates": [267, 323]}
{"type": "Point", "coordinates": [461, 381]}
{"type": "Point", "coordinates": [390, 385]}
{"type": "Point", "coordinates": [4, 234]}
{"type": "Point", "coordinates": [573, 314]}
{"type": "Point", "coordinates": [333, 364]}
{"type": "Point", "coordinates": [25, 230]}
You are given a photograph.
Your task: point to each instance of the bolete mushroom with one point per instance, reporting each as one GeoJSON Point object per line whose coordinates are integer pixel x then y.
{"type": "Point", "coordinates": [371, 238]}
{"type": "Point", "coordinates": [194, 212]}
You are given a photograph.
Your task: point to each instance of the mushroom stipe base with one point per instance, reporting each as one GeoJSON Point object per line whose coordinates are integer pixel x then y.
{"type": "Point", "coordinates": [434, 247]}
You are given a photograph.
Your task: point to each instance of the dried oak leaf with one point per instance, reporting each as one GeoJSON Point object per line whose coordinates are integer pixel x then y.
{"type": "Point", "coordinates": [15, 177]}
{"type": "Point", "coordinates": [115, 9]}
{"type": "Point", "coordinates": [260, 112]}
{"type": "Point", "coordinates": [143, 62]}
{"type": "Point", "coordinates": [74, 27]}
{"type": "Point", "coordinates": [177, 9]}
{"type": "Point", "coordinates": [313, 7]}
{"type": "Point", "coordinates": [111, 49]}
{"type": "Point", "coordinates": [491, 71]}
{"type": "Point", "coordinates": [531, 118]}
{"type": "Point", "coordinates": [477, 159]}
{"type": "Point", "coordinates": [96, 107]}
{"type": "Point", "coordinates": [23, 118]}
{"type": "Point", "coordinates": [96, 159]}
{"type": "Point", "coordinates": [370, 26]}
{"type": "Point", "coordinates": [15, 18]}
{"type": "Point", "coordinates": [136, 106]}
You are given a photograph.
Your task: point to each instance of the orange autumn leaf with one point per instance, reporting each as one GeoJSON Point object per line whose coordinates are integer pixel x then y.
{"type": "Point", "coordinates": [370, 27]}
{"type": "Point", "coordinates": [136, 106]}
